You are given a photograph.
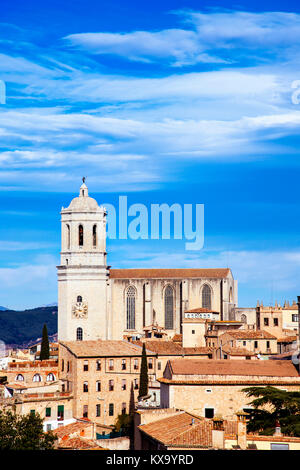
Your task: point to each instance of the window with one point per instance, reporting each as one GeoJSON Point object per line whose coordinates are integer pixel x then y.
{"type": "Point", "coordinates": [63, 387]}
{"type": "Point", "coordinates": [193, 332]}
{"type": "Point", "coordinates": [79, 334]}
{"type": "Point", "coordinates": [244, 343]}
{"type": "Point", "coordinates": [85, 413]}
{"type": "Point", "coordinates": [60, 412]}
{"type": "Point", "coordinates": [37, 378]}
{"type": "Point", "coordinates": [243, 318]}
{"type": "Point", "coordinates": [275, 321]}
{"type": "Point", "coordinates": [136, 364]}
{"type": "Point", "coordinates": [266, 321]}
{"type": "Point", "coordinates": [255, 344]}
{"type": "Point", "coordinates": [68, 366]}
{"type": "Point", "coordinates": [32, 412]}
{"type": "Point", "coordinates": [98, 365]}
{"type": "Point", "coordinates": [80, 235]}
{"type": "Point", "coordinates": [209, 412]}
{"type": "Point", "coordinates": [123, 364]}
{"type": "Point", "coordinates": [85, 387]}
{"type": "Point", "coordinates": [48, 427]}
{"type": "Point", "coordinates": [79, 299]}
{"type": "Point", "coordinates": [123, 408]}
{"type": "Point", "coordinates": [111, 409]}
{"type": "Point", "coordinates": [95, 235]}
{"type": "Point", "coordinates": [48, 412]}
{"type": "Point", "coordinates": [169, 308]}
{"type": "Point", "coordinates": [206, 297]}
{"type": "Point", "coordinates": [159, 366]}
{"type": "Point", "coordinates": [86, 366]}
{"type": "Point", "coordinates": [208, 390]}
{"type": "Point", "coordinates": [98, 410]}
{"type": "Point", "coordinates": [68, 236]}
{"type": "Point", "coordinates": [124, 384]}
{"type": "Point", "coordinates": [130, 308]}
{"type": "Point", "coordinates": [225, 356]}
{"type": "Point", "coordinates": [111, 385]}
{"type": "Point", "coordinates": [50, 377]}
{"type": "Point", "coordinates": [98, 386]}
{"type": "Point", "coordinates": [268, 344]}
{"type": "Point", "coordinates": [280, 446]}
{"type": "Point", "coordinates": [294, 317]}
{"type": "Point", "coordinates": [135, 384]}
{"type": "Point", "coordinates": [62, 365]}
{"type": "Point", "coordinates": [248, 358]}
{"type": "Point", "coordinates": [150, 363]}
{"type": "Point", "coordinates": [111, 364]}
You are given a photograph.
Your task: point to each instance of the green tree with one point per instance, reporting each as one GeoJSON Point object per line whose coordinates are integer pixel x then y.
{"type": "Point", "coordinates": [273, 405]}
{"type": "Point", "coordinates": [45, 353]}
{"type": "Point", "coordinates": [144, 374]}
{"type": "Point", "coordinates": [24, 432]}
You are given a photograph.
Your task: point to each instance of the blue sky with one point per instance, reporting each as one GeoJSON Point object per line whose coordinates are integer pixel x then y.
{"type": "Point", "coordinates": [175, 102]}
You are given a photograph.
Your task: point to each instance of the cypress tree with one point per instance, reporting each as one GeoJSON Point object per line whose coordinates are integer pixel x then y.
{"type": "Point", "coordinates": [45, 353]}
{"type": "Point", "coordinates": [144, 374]}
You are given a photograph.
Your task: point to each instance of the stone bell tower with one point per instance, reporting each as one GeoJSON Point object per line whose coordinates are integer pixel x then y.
{"type": "Point", "coordinates": [82, 273]}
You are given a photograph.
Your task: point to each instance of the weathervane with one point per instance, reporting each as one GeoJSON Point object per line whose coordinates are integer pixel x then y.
{"type": "Point", "coordinates": [83, 179]}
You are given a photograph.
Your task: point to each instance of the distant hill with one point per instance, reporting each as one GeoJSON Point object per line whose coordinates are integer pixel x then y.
{"type": "Point", "coordinates": [22, 327]}
{"type": "Point", "coordinates": [2, 308]}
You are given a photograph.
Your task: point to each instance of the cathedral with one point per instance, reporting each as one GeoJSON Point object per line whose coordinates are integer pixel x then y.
{"type": "Point", "coordinates": [97, 302]}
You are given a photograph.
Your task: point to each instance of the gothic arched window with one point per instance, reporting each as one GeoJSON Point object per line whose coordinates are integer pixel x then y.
{"type": "Point", "coordinates": [20, 378]}
{"type": "Point", "coordinates": [50, 377]}
{"type": "Point", "coordinates": [130, 308]}
{"type": "Point", "coordinates": [206, 297]}
{"type": "Point", "coordinates": [79, 334]}
{"type": "Point", "coordinates": [79, 299]}
{"type": "Point", "coordinates": [95, 235]}
{"type": "Point", "coordinates": [37, 378]}
{"type": "Point", "coordinates": [243, 318]}
{"type": "Point", "coordinates": [169, 308]}
{"type": "Point", "coordinates": [80, 235]}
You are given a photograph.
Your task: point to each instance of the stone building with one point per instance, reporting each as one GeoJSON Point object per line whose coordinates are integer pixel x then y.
{"type": "Point", "coordinates": [209, 388]}
{"type": "Point", "coordinates": [96, 302]}
{"type": "Point", "coordinates": [103, 377]}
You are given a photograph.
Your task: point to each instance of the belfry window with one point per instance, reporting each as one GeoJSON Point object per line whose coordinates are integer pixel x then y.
{"type": "Point", "coordinates": [80, 235]}
{"type": "Point", "coordinates": [95, 235]}
{"type": "Point", "coordinates": [169, 308]}
{"type": "Point", "coordinates": [68, 236]}
{"type": "Point", "coordinates": [130, 308]}
{"type": "Point", "coordinates": [79, 334]}
{"type": "Point", "coordinates": [206, 297]}
{"type": "Point", "coordinates": [79, 299]}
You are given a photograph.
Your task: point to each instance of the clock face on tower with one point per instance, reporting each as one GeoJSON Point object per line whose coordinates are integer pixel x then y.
{"type": "Point", "coordinates": [80, 310]}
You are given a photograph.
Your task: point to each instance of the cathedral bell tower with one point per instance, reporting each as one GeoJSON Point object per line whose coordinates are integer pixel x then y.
{"type": "Point", "coordinates": [82, 273]}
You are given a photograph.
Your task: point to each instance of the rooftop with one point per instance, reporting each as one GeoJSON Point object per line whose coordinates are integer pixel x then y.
{"type": "Point", "coordinates": [171, 348]}
{"type": "Point", "coordinates": [103, 348]}
{"type": "Point", "coordinates": [169, 273]}
{"type": "Point", "coordinates": [224, 367]}
{"type": "Point", "coordinates": [249, 334]}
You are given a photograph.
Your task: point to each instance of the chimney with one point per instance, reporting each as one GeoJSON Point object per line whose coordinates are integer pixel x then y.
{"type": "Point", "coordinates": [218, 439]}
{"type": "Point", "coordinates": [242, 429]}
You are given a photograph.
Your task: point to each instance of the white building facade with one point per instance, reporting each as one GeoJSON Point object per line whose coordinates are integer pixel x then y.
{"type": "Point", "coordinates": [95, 302]}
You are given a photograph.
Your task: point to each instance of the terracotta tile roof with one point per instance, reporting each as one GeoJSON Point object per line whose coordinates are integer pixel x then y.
{"type": "Point", "coordinates": [237, 351]}
{"type": "Point", "coordinates": [177, 338]}
{"type": "Point", "coordinates": [287, 339]}
{"type": "Point", "coordinates": [168, 273]}
{"type": "Point", "coordinates": [171, 348]}
{"type": "Point", "coordinates": [78, 443]}
{"type": "Point", "coordinates": [230, 368]}
{"type": "Point", "coordinates": [250, 334]}
{"type": "Point", "coordinates": [178, 429]}
{"type": "Point", "coordinates": [246, 380]}
{"type": "Point", "coordinates": [72, 428]}
{"type": "Point", "coordinates": [101, 348]}
{"type": "Point", "coordinates": [200, 310]}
